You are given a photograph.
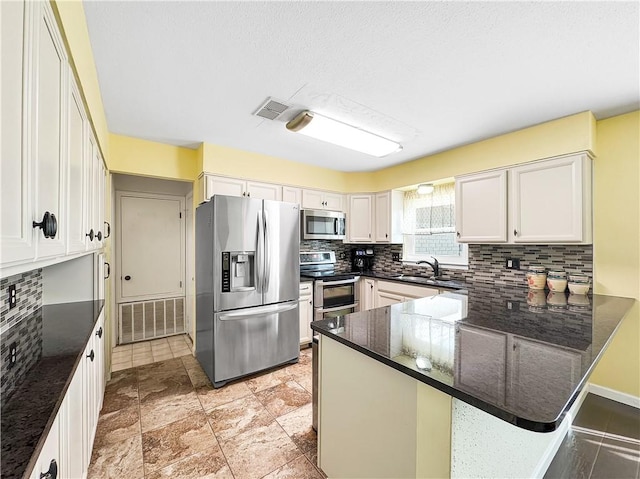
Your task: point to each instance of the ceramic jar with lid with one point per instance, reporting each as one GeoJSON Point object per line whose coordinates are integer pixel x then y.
{"type": "Point", "coordinates": [579, 284]}
{"type": "Point", "coordinates": [536, 277]}
{"type": "Point", "coordinates": [556, 300]}
{"type": "Point", "coordinates": [557, 281]}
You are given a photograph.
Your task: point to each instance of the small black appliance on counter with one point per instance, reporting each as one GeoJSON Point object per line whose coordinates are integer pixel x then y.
{"type": "Point", "coordinates": [362, 260]}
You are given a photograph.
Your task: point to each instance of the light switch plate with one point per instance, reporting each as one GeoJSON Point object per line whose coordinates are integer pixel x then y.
{"type": "Point", "coordinates": [13, 296]}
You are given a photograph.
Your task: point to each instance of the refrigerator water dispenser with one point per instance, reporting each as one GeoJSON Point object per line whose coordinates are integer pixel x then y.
{"type": "Point", "coordinates": [238, 271]}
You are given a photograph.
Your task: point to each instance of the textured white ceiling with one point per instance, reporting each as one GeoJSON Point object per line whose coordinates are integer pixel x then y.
{"type": "Point", "coordinates": [431, 75]}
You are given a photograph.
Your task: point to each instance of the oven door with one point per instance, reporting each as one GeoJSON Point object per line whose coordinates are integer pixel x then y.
{"type": "Point", "coordinates": [333, 313]}
{"type": "Point", "coordinates": [331, 294]}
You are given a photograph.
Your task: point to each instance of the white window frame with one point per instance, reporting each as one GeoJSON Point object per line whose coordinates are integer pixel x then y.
{"type": "Point", "coordinates": [409, 255]}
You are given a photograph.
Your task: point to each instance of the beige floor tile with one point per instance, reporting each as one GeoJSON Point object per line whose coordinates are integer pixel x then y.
{"type": "Point", "coordinates": [209, 464]}
{"type": "Point", "coordinates": [119, 460]}
{"type": "Point", "coordinates": [121, 358]}
{"type": "Point", "coordinates": [297, 424]}
{"type": "Point", "coordinates": [156, 370]}
{"type": "Point", "coordinates": [180, 353]}
{"type": "Point", "coordinates": [141, 354]}
{"type": "Point", "coordinates": [123, 347]}
{"type": "Point", "coordinates": [211, 398]}
{"type": "Point", "coordinates": [160, 349]}
{"type": "Point", "coordinates": [284, 398]}
{"type": "Point", "coordinates": [121, 392]}
{"type": "Point", "coordinates": [158, 342]}
{"type": "Point", "coordinates": [157, 410]}
{"type": "Point", "coordinates": [238, 416]}
{"type": "Point", "coordinates": [268, 379]}
{"type": "Point", "coordinates": [141, 361]}
{"type": "Point", "coordinates": [299, 468]}
{"type": "Point", "coordinates": [199, 379]}
{"type": "Point", "coordinates": [117, 425]}
{"type": "Point", "coordinates": [145, 346]}
{"type": "Point", "coordinates": [190, 361]}
{"type": "Point", "coordinates": [177, 440]}
{"type": "Point", "coordinates": [121, 366]}
{"type": "Point", "coordinates": [258, 451]}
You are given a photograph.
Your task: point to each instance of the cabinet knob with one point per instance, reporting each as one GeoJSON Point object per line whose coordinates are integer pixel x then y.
{"type": "Point", "coordinates": [386, 235]}
{"type": "Point", "coordinates": [248, 193]}
{"type": "Point", "coordinates": [244, 193]}
{"type": "Point", "coordinates": [369, 235]}
{"type": "Point", "coordinates": [515, 232]}
{"type": "Point", "coordinates": [371, 286]}
{"type": "Point", "coordinates": [458, 234]}
{"type": "Point", "coordinates": [48, 225]}
{"type": "Point", "coordinates": [99, 332]}
{"type": "Point", "coordinates": [310, 302]}
{"type": "Point", "coordinates": [127, 278]}
{"type": "Point", "coordinates": [52, 473]}
{"type": "Point", "coordinates": [91, 355]}
{"type": "Point", "coordinates": [90, 234]}
{"type": "Point", "coordinates": [99, 236]}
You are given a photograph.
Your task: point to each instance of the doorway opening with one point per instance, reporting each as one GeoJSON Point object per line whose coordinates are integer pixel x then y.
{"type": "Point", "coordinates": [152, 222]}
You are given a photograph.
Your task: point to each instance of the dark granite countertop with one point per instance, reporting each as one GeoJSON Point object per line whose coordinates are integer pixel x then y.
{"type": "Point", "coordinates": [54, 337]}
{"type": "Point", "coordinates": [407, 279]}
{"type": "Point", "coordinates": [501, 349]}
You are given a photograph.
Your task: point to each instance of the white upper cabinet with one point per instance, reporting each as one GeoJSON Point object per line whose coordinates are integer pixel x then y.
{"type": "Point", "coordinates": [291, 194]}
{"type": "Point", "coordinates": [388, 209]}
{"type": "Point", "coordinates": [542, 202]}
{"type": "Point", "coordinates": [321, 200]}
{"type": "Point", "coordinates": [551, 201]}
{"type": "Point", "coordinates": [16, 232]}
{"type": "Point", "coordinates": [360, 219]}
{"type": "Point", "coordinates": [481, 207]}
{"type": "Point", "coordinates": [264, 191]}
{"type": "Point", "coordinates": [78, 162]}
{"type": "Point", "coordinates": [220, 185]}
{"type": "Point", "coordinates": [50, 113]}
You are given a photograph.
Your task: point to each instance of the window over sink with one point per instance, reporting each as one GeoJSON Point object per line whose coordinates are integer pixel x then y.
{"type": "Point", "coordinates": [429, 228]}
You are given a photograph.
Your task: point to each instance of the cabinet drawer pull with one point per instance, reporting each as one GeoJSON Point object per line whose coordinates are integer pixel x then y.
{"type": "Point", "coordinates": [108, 233]}
{"type": "Point", "coordinates": [108, 270]}
{"type": "Point", "coordinates": [99, 333]}
{"type": "Point", "coordinates": [91, 355]}
{"type": "Point", "coordinates": [48, 225]}
{"type": "Point", "coordinates": [52, 473]}
{"type": "Point", "coordinates": [90, 234]}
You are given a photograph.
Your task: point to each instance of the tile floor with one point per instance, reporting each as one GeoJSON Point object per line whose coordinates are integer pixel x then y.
{"type": "Point", "coordinates": [138, 354]}
{"type": "Point", "coordinates": [164, 419]}
{"type": "Point", "coordinates": [604, 442]}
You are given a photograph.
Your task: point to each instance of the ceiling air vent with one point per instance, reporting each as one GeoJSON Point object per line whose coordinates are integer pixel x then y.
{"type": "Point", "coordinates": [271, 109]}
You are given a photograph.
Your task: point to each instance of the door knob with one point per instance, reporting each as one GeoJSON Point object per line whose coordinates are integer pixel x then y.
{"type": "Point", "coordinates": [127, 278]}
{"type": "Point", "coordinates": [48, 225]}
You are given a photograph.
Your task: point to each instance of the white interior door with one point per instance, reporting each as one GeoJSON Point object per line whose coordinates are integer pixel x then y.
{"type": "Point", "coordinates": [152, 247]}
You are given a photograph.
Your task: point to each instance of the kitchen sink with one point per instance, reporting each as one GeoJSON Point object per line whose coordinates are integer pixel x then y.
{"type": "Point", "coordinates": [445, 283]}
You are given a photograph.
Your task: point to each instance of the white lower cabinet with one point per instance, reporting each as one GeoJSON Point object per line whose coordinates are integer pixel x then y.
{"type": "Point", "coordinates": [388, 292]}
{"type": "Point", "coordinates": [70, 439]}
{"type": "Point", "coordinates": [306, 312]}
{"type": "Point", "coordinates": [368, 294]}
{"type": "Point", "coordinates": [49, 458]}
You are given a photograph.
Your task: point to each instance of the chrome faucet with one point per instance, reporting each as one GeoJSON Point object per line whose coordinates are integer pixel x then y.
{"type": "Point", "coordinates": [435, 266]}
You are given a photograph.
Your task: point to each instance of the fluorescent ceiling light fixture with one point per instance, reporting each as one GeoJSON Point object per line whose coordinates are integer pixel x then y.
{"type": "Point", "coordinates": [334, 131]}
{"type": "Point", "coordinates": [425, 189]}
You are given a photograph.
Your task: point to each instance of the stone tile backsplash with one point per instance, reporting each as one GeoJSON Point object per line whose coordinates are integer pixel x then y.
{"type": "Point", "coordinates": [21, 325]}
{"type": "Point", "coordinates": [29, 293]}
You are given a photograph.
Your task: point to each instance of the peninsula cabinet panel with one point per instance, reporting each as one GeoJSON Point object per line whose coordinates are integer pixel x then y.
{"type": "Point", "coordinates": [481, 208]}
{"type": "Point", "coordinates": [49, 112]}
{"type": "Point", "coordinates": [16, 232]}
{"type": "Point", "coordinates": [561, 371]}
{"type": "Point", "coordinates": [306, 312]}
{"type": "Point", "coordinates": [482, 363]}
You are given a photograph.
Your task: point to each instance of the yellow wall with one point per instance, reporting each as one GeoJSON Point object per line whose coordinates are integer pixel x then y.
{"type": "Point", "coordinates": [147, 158]}
{"type": "Point", "coordinates": [557, 137]}
{"type": "Point", "coordinates": [232, 162]}
{"type": "Point", "coordinates": [616, 237]}
{"type": "Point", "coordinates": [71, 18]}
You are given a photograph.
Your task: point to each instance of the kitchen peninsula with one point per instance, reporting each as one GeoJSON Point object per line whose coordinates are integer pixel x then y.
{"type": "Point", "coordinates": [480, 384]}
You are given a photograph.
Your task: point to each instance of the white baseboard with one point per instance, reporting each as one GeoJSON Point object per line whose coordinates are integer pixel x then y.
{"type": "Point", "coordinates": [614, 395]}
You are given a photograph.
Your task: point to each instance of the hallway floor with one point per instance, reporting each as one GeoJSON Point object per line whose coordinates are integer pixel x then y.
{"type": "Point", "coordinates": [165, 420]}
{"type": "Point", "coordinates": [603, 442]}
{"type": "Point", "coordinates": [126, 356]}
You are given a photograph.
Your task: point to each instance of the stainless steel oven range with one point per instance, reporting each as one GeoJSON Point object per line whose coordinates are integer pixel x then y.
{"type": "Point", "coordinates": [335, 292]}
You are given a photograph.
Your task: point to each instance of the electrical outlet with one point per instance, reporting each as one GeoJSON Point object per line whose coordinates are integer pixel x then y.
{"type": "Point", "coordinates": [513, 263]}
{"type": "Point", "coordinates": [13, 296]}
{"type": "Point", "coordinates": [395, 257]}
{"type": "Point", "coordinates": [513, 305]}
{"type": "Point", "coordinates": [13, 354]}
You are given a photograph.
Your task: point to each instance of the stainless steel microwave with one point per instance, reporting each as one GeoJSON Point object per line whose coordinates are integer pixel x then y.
{"type": "Point", "coordinates": [320, 224]}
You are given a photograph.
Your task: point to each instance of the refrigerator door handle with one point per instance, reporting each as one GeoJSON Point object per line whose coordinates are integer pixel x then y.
{"type": "Point", "coordinates": [267, 253]}
{"type": "Point", "coordinates": [259, 261]}
{"type": "Point", "coordinates": [259, 311]}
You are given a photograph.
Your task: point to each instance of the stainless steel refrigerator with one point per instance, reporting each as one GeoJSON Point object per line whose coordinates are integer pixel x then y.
{"type": "Point", "coordinates": [247, 286]}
